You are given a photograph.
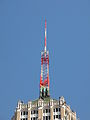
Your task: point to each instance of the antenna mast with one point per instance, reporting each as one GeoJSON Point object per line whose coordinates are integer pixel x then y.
{"type": "Point", "coordinates": [44, 77]}
{"type": "Point", "coordinates": [45, 35]}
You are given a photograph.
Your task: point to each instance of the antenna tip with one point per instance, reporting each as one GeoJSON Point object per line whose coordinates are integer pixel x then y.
{"type": "Point", "coordinates": [45, 23]}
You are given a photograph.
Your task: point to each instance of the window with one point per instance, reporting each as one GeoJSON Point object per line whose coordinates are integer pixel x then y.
{"type": "Point", "coordinates": [43, 111]}
{"type": "Point", "coordinates": [57, 116]}
{"type": "Point", "coordinates": [23, 113]}
{"type": "Point", "coordinates": [46, 110]}
{"type": "Point", "coordinates": [34, 112]}
{"type": "Point", "coordinates": [56, 109]}
{"type": "Point", "coordinates": [31, 112]}
{"type": "Point", "coordinates": [43, 117]}
{"type": "Point", "coordinates": [49, 110]}
{"type": "Point", "coordinates": [46, 117]}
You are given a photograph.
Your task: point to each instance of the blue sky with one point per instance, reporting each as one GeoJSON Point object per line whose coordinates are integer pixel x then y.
{"type": "Point", "coordinates": [21, 41]}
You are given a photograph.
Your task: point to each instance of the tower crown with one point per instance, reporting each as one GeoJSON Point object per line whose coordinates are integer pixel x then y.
{"type": "Point", "coordinates": [44, 77]}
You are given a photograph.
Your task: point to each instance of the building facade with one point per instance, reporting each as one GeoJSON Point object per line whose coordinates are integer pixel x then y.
{"type": "Point", "coordinates": [45, 107]}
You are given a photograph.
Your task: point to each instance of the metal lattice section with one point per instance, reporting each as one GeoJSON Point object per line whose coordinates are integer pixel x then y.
{"type": "Point", "coordinates": [44, 68]}
{"type": "Point", "coordinates": [44, 77]}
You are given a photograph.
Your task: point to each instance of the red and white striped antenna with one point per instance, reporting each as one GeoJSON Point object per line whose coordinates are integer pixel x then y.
{"type": "Point", "coordinates": [44, 77]}
{"type": "Point", "coordinates": [45, 35]}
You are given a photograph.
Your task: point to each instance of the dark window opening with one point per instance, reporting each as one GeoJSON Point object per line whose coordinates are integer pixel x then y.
{"type": "Point", "coordinates": [21, 113]}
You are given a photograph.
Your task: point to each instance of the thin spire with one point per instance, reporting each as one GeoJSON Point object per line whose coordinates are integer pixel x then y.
{"type": "Point", "coordinates": [45, 35]}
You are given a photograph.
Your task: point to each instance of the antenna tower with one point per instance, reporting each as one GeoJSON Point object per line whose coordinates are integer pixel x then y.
{"type": "Point", "coordinates": [44, 77]}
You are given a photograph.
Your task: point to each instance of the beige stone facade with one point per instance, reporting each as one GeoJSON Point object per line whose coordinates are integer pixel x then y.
{"type": "Point", "coordinates": [44, 109]}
